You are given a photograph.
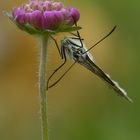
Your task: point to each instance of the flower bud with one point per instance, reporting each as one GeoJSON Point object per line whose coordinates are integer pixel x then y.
{"type": "Point", "coordinates": [44, 15]}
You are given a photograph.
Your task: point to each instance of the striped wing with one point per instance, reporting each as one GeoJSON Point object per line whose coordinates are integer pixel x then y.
{"type": "Point", "coordinates": [90, 65]}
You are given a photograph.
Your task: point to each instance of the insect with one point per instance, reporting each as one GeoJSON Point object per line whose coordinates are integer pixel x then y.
{"type": "Point", "coordinates": [74, 48]}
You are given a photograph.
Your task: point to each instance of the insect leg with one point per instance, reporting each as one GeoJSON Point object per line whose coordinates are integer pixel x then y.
{"type": "Point", "coordinates": [78, 34]}
{"type": "Point", "coordinates": [77, 37]}
{"type": "Point", "coordinates": [62, 76]}
{"type": "Point", "coordinates": [73, 34]}
{"type": "Point", "coordinates": [56, 45]}
{"type": "Point", "coordinates": [63, 56]}
{"type": "Point", "coordinates": [101, 39]}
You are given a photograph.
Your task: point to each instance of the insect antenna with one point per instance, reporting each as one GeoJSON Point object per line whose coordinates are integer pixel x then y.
{"type": "Point", "coordinates": [101, 39]}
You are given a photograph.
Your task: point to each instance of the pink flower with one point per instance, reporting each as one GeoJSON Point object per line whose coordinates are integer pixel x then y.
{"type": "Point", "coordinates": [45, 15]}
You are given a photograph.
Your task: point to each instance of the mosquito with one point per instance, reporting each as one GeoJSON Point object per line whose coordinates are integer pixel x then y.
{"type": "Point", "coordinates": [74, 48]}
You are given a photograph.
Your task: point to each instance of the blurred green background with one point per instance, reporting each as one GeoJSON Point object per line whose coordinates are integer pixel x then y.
{"type": "Point", "coordinates": [81, 106]}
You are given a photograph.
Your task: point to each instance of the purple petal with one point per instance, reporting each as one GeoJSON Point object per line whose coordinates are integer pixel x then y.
{"type": "Point", "coordinates": [19, 15]}
{"type": "Point", "coordinates": [68, 20]}
{"type": "Point", "coordinates": [28, 17]}
{"type": "Point", "coordinates": [58, 5]}
{"type": "Point", "coordinates": [48, 5]}
{"type": "Point", "coordinates": [36, 19]}
{"type": "Point", "coordinates": [59, 17]}
{"type": "Point", "coordinates": [65, 13]}
{"type": "Point", "coordinates": [17, 11]}
{"type": "Point", "coordinates": [49, 20]}
{"type": "Point", "coordinates": [75, 14]}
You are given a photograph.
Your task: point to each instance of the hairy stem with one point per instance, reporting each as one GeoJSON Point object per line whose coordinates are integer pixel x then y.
{"type": "Point", "coordinates": [42, 87]}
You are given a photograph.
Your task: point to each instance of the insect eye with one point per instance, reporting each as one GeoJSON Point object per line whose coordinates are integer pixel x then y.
{"type": "Point", "coordinates": [80, 50]}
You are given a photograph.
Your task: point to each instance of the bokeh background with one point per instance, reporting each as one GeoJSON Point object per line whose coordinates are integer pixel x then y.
{"type": "Point", "coordinates": [81, 106]}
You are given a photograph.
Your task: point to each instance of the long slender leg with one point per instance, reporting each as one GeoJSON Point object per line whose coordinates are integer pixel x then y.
{"type": "Point", "coordinates": [73, 34]}
{"type": "Point", "coordinates": [78, 34]}
{"type": "Point", "coordinates": [63, 57]}
{"type": "Point", "coordinates": [76, 38]}
{"type": "Point", "coordinates": [101, 39]}
{"type": "Point", "coordinates": [62, 54]}
{"type": "Point", "coordinates": [54, 73]}
{"type": "Point", "coordinates": [62, 76]}
{"type": "Point", "coordinates": [56, 44]}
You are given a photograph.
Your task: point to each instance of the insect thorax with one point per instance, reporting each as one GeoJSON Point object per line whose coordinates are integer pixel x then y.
{"type": "Point", "coordinates": [74, 48]}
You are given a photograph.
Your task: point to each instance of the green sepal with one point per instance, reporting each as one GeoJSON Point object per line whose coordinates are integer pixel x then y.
{"type": "Point", "coordinates": [69, 29]}
{"type": "Point", "coordinates": [28, 28]}
{"type": "Point", "coordinates": [33, 31]}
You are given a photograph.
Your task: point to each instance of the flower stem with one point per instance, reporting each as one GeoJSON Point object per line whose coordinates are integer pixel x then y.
{"type": "Point", "coordinates": [42, 87]}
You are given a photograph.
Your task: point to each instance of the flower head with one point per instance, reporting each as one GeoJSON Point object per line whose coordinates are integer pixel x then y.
{"type": "Point", "coordinates": [41, 16]}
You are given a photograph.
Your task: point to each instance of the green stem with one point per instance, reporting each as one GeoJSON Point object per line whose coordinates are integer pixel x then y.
{"type": "Point", "coordinates": [42, 87]}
